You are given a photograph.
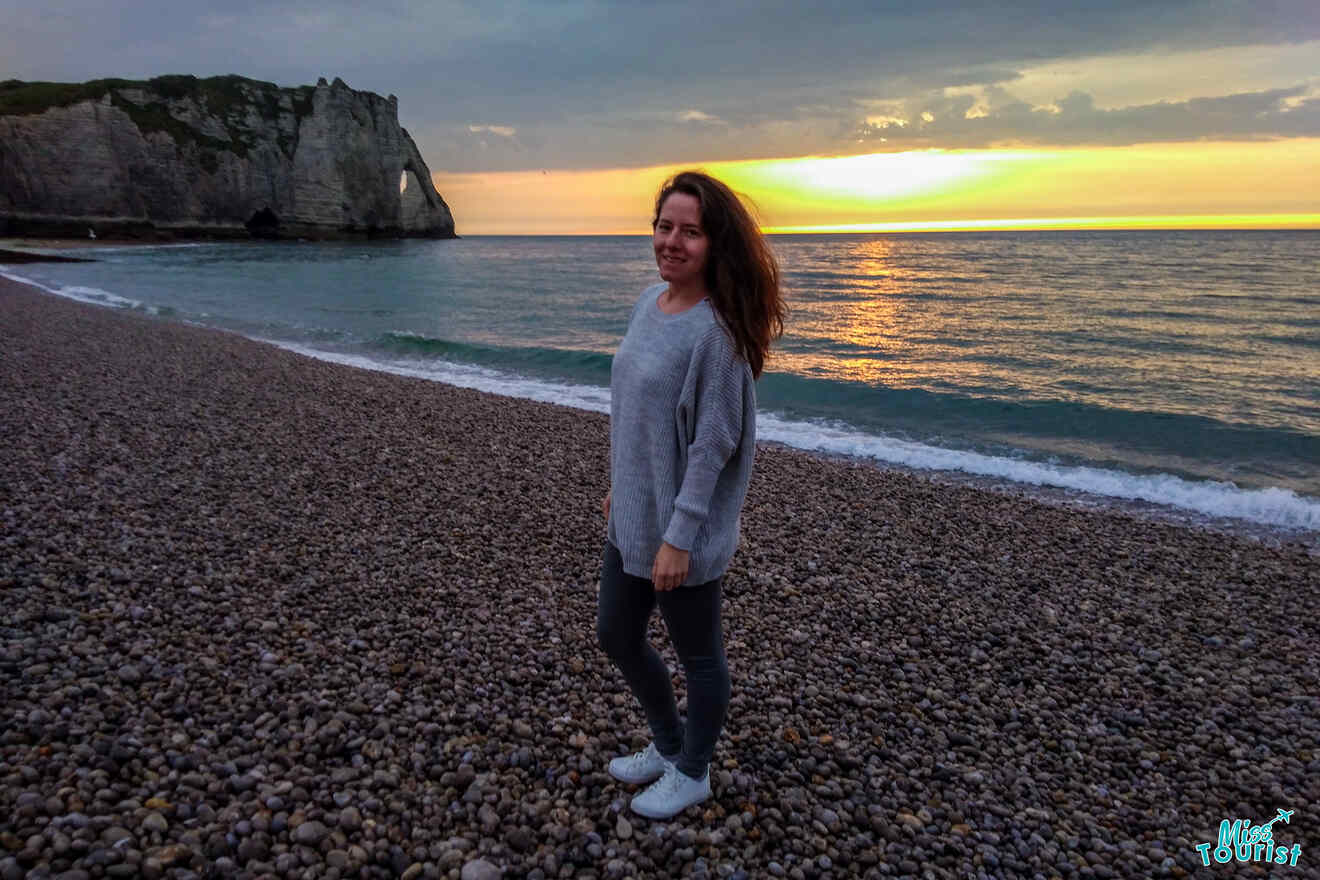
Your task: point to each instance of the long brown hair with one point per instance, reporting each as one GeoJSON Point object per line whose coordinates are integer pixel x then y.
{"type": "Point", "coordinates": [742, 275]}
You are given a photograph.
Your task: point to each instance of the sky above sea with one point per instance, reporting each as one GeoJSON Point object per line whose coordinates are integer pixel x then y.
{"type": "Point", "coordinates": [563, 117]}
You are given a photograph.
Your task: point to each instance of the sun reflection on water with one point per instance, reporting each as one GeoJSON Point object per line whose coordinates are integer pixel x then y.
{"type": "Point", "coordinates": [860, 324]}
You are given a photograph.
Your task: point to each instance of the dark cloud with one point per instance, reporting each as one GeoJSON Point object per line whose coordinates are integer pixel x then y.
{"type": "Point", "coordinates": [586, 82]}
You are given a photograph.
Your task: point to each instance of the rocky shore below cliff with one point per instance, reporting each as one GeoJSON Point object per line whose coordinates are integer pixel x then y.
{"type": "Point", "coordinates": [267, 616]}
{"type": "Point", "coordinates": [22, 257]}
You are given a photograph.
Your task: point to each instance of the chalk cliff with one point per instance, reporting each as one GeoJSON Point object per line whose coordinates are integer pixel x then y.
{"type": "Point", "coordinates": [226, 156]}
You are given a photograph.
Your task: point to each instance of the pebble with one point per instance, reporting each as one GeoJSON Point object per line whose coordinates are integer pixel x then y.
{"type": "Point", "coordinates": [351, 674]}
{"type": "Point", "coordinates": [480, 869]}
{"type": "Point", "coordinates": [350, 819]}
{"type": "Point", "coordinates": [243, 783]}
{"type": "Point", "coordinates": [521, 840]}
{"type": "Point", "coordinates": [310, 833]}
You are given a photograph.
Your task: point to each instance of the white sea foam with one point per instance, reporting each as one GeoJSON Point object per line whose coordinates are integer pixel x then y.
{"type": "Point", "coordinates": [100, 297]}
{"type": "Point", "coordinates": [88, 252]}
{"type": "Point", "coordinates": [93, 295]}
{"type": "Point", "coordinates": [586, 397]}
{"type": "Point", "coordinates": [1270, 507]}
{"type": "Point", "coordinates": [172, 246]}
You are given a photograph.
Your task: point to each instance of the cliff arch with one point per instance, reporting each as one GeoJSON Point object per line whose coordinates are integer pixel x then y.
{"type": "Point", "coordinates": [420, 207]}
{"type": "Point", "coordinates": [225, 156]}
{"type": "Point", "coordinates": [413, 204]}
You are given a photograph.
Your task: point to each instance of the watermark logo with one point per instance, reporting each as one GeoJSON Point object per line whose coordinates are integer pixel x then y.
{"type": "Point", "coordinates": [1241, 841]}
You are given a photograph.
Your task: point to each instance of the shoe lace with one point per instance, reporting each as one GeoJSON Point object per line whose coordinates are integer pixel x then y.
{"type": "Point", "coordinates": [672, 781]}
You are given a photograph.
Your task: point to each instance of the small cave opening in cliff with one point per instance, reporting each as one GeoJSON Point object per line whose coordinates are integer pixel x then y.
{"type": "Point", "coordinates": [263, 224]}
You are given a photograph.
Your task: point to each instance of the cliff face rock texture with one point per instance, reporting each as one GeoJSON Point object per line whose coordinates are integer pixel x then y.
{"type": "Point", "coordinates": [226, 156]}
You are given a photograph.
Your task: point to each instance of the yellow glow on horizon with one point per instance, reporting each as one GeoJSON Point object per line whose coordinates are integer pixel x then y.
{"type": "Point", "coordinates": [1179, 185]}
{"type": "Point", "coordinates": [869, 178]}
{"type": "Point", "coordinates": [1171, 221]}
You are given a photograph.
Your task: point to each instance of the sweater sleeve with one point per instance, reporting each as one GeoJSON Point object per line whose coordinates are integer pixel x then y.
{"type": "Point", "coordinates": [710, 419]}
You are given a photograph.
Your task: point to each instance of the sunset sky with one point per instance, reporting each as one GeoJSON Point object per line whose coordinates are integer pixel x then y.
{"type": "Point", "coordinates": [563, 117]}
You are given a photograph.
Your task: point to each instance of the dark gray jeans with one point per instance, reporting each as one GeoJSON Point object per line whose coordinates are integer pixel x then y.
{"type": "Point", "coordinates": [692, 615]}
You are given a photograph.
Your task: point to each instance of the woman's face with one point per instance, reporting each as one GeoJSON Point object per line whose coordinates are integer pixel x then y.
{"type": "Point", "coordinates": [680, 241]}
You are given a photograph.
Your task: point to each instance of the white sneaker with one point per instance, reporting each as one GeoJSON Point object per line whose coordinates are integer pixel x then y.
{"type": "Point", "coordinates": [639, 769]}
{"type": "Point", "coordinates": [673, 793]}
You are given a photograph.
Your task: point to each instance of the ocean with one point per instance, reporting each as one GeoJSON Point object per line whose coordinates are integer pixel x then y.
{"type": "Point", "coordinates": [1170, 372]}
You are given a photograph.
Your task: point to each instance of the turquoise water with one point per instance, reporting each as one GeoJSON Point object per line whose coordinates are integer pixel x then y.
{"type": "Point", "coordinates": [1177, 368]}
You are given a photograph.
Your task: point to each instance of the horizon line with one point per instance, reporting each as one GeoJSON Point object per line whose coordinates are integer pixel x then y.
{"type": "Point", "coordinates": [1166, 222]}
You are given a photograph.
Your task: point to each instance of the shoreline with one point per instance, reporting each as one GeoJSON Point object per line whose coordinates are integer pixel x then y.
{"type": "Point", "coordinates": [268, 612]}
{"type": "Point", "coordinates": [23, 257]}
{"type": "Point", "coordinates": [1078, 500]}
{"type": "Point", "coordinates": [47, 243]}
{"type": "Point", "coordinates": [1072, 498]}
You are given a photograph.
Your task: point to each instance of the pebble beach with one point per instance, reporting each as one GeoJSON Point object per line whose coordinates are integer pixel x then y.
{"type": "Point", "coordinates": [267, 616]}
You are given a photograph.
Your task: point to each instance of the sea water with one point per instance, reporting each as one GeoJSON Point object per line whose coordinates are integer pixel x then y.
{"type": "Point", "coordinates": [1173, 369]}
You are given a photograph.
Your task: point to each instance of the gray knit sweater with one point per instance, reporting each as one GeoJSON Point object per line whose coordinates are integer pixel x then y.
{"type": "Point", "coordinates": [682, 439]}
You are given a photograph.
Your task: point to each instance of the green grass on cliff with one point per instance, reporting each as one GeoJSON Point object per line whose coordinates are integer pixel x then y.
{"type": "Point", "coordinates": [18, 98]}
{"type": "Point", "coordinates": [225, 97]}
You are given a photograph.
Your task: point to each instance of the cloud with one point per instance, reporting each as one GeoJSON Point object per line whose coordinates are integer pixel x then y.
{"type": "Point", "coordinates": [520, 52]}
{"type": "Point", "coordinates": [762, 78]}
{"type": "Point", "coordinates": [698, 116]}
{"type": "Point", "coordinates": [996, 118]}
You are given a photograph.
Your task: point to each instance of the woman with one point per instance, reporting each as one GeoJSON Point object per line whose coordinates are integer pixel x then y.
{"type": "Point", "coordinates": [682, 442]}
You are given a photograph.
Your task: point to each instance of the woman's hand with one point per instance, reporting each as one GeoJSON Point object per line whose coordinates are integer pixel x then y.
{"type": "Point", "coordinates": [670, 568]}
{"type": "Point", "coordinates": [605, 505]}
